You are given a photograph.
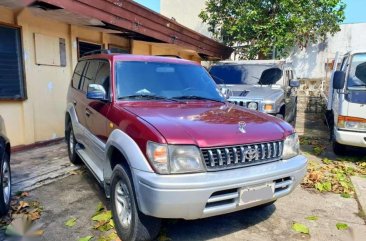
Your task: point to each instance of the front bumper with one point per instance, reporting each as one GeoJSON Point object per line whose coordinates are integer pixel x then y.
{"type": "Point", "coordinates": [194, 196]}
{"type": "Point", "coordinates": [350, 138]}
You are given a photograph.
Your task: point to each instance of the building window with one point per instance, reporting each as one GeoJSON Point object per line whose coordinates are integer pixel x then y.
{"type": "Point", "coordinates": [11, 64]}
{"type": "Point", "coordinates": [118, 49]}
{"type": "Point", "coordinates": [84, 47]}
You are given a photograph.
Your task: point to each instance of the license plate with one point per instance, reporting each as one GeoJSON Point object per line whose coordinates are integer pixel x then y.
{"type": "Point", "coordinates": [254, 194]}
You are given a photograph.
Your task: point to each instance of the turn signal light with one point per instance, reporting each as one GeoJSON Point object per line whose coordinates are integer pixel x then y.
{"type": "Point", "coordinates": [268, 107]}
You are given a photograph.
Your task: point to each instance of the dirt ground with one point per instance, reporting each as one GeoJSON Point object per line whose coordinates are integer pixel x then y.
{"type": "Point", "coordinates": [76, 194]}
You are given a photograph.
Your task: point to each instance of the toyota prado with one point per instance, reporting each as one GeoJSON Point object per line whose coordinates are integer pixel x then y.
{"type": "Point", "coordinates": [161, 139]}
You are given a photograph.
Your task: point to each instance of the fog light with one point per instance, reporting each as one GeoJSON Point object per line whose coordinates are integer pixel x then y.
{"type": "Point", "coordinates": [252, 106]}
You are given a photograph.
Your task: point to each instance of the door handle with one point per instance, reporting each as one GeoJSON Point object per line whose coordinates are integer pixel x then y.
{"type": "Point", "coordinates": [88, 112]}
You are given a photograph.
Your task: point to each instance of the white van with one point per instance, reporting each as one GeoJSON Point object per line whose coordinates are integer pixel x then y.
{"type": "Point", "coordinates": [346, 114]}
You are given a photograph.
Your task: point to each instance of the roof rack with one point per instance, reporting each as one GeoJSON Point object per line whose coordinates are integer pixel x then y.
{"type": "Point", "coordinates": [169, 56]}
{"type": "Point", "coordinates": [99, 51]}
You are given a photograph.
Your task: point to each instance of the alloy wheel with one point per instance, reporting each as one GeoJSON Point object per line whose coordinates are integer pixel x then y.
{"type": "Point", "coordinates": [6, 182]}
{"type": "Point", "coordinates": [122, 199]}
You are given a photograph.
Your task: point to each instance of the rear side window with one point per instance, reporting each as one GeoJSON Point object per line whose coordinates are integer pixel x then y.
{"type": "Point", "coordinates": [90, 74]}
{"type": "Point", "coordinates": [76, 78]}
{"type": "Point", "coordinates": [102, 76]}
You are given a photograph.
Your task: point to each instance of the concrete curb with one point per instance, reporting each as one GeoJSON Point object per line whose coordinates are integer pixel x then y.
{"type": "Point", "coordinates": [360, 188]}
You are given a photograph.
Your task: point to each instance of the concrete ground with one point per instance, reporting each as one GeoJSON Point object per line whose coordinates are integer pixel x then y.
{"type": "Point", "coordinates": [78, 195]}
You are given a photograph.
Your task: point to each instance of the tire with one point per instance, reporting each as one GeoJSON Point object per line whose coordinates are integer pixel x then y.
{"type": "Point", "coordinates": [5, 185]}
{"type": "Point", "coordinates": [71, 145]}
{"type": "Point", "coordinates": [135, 226]}
{"type": "Point", "coordinates": [338, 149]}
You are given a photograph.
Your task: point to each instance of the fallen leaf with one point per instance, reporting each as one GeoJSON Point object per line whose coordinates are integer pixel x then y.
{"type": "Point", "coordinates": [87, 238]}
{"type": "Point", "coordinates": [300, 228]}
{"type": "Point", "coordinates": [22, 205]}
{"type": "Point", "coordinates": [100, 207]}
{"type": "Point", "coordinates": [104, 216]}
{"type": "Point", "coordinates": [39, 232]}
{"type": "Point", "coordinates": [345, 195]}
{"type": "Point", "coordinates": [71, 222]}
{"type": "Point", "coordinates": [342, 226]}
{"type": "Point", "coordinates": [312, 218]}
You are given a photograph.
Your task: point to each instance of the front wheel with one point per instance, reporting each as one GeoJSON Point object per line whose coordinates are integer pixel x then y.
{"type": "Point", "coordinates": [131, 224]}
{"type": "Point", "coordinates": [5, 185]}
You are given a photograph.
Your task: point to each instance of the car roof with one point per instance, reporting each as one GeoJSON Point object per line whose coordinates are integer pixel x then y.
{"type": "Point", "coordinates": [139, 58]}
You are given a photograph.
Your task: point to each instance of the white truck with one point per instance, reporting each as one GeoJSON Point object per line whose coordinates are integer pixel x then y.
{"type": "Point", "coordinates": [346, 107]}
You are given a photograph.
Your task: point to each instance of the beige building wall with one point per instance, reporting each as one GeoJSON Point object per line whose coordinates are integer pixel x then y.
{"type": "Point", "coordinates": [41, 116]}
{"type": "Point", "coordinates": [186, 13]}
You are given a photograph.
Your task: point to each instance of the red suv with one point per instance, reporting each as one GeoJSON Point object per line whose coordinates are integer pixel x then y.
{"type": "Point", "coordinates": [164, 143]}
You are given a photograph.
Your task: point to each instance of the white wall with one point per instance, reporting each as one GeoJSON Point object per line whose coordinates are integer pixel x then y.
{"type": "Point", "coordinates": [311, 62]}
{"type": "Point", "coordinates": [186, 13]}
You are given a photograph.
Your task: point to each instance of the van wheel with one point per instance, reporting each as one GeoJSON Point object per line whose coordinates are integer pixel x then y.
{"type": "Point", "coordinates": [131, 224]}
{"type": "Point", "coordinates": [71, 145]}
{"type": "Point", "coordinates": [338, 149]}
{"type": "Point", "coordinates": [5, 185]}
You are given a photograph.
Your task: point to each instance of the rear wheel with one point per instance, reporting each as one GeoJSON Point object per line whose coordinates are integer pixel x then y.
{"type": "Point", "coordinates": [5, 182]}
{"type": "Point", "coordinates": [71, 145]}
{"type": "Point", "coordinates": [131, 224]}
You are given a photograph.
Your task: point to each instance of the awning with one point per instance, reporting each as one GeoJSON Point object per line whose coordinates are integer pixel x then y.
{"type": "Point", "coordinates": [135, 21]}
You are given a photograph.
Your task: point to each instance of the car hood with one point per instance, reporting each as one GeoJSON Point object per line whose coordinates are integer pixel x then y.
{"type": "Point", "coordinates": [210, 125]}
{"type": "Point", "coordinates": [264, 92]}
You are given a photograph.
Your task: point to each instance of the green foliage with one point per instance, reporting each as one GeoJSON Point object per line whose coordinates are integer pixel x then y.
{"type": "Point", "coordinates": [259, 26]}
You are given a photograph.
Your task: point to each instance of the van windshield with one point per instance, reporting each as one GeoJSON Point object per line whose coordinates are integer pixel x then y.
{"type": "Point", "coordinates": [246, 74]}
{"type": "Point", "coordinates": [357, 74]}
{"type": "Point", "coordinates": [158, 81]}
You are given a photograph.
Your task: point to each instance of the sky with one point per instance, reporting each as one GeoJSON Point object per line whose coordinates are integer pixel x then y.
{"type": "Point", "coordinates": [152, 4]}
{"type": "Point", "coordinates": [355, 11]}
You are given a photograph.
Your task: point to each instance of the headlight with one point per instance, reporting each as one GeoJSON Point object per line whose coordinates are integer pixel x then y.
{"type": "Point", "coordinates": [173, 159]}
{"type": "Point", "coordinates": [253, 106]}
{"type": "Point", "coordinates": [351, 123]}
{"type": "Point", "coordinates": [291, 147]}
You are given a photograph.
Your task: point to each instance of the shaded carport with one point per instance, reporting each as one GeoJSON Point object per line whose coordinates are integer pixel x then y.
{"type": "Point", "coordinates": [133, 21]}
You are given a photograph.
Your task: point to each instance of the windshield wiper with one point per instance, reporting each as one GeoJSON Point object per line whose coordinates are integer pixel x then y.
{"type": "Point", "coordinates": [147, 97]}
{"type": "Point", "coordinates": [194, 97]}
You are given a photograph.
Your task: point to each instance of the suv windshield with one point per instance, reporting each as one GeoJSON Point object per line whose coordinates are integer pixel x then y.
{"type": "Point", "coordinates": [246, 74]}
{"type": "Point", "coordinates": [357, 74]}
{"type": "Point", "coordinates": [141, 80]}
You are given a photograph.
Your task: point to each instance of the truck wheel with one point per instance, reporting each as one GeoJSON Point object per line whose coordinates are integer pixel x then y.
{"type": "Point", "coordinates": [338, 149]}
{"type": "Point", "coordinates": [5, 185]}
{"type": "Point", "coordinates": [71, 145]}
{"type": "Point", "coordinates": [131, 224]}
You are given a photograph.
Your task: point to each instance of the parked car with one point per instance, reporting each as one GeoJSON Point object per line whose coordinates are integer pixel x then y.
{"type": "Point", "coordinates": [346, 110]}
{"type": "Point", "coordinates": [264, 85]}
{"type": "Point", "coordinates": [163, 142]}
{"type": "Point", "coordinates": [5, 173]}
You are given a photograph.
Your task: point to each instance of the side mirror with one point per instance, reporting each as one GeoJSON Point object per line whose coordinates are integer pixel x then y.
{"type": "Point", "coordinates": [225, 92]}
{"type": "Point", "coordinates": [96, 92]}
{"type": "Point", "coordinates": [295, 83]}
{"type": "Point", "coordinates": [339, 78]}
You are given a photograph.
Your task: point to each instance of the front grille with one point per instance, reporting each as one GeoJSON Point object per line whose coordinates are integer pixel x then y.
{"type": "Point", "coordinates": [220, 158]}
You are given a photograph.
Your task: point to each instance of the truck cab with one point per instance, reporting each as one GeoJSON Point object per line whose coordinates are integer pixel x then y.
{"type": "Point", "coordinates": [346, 110]}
